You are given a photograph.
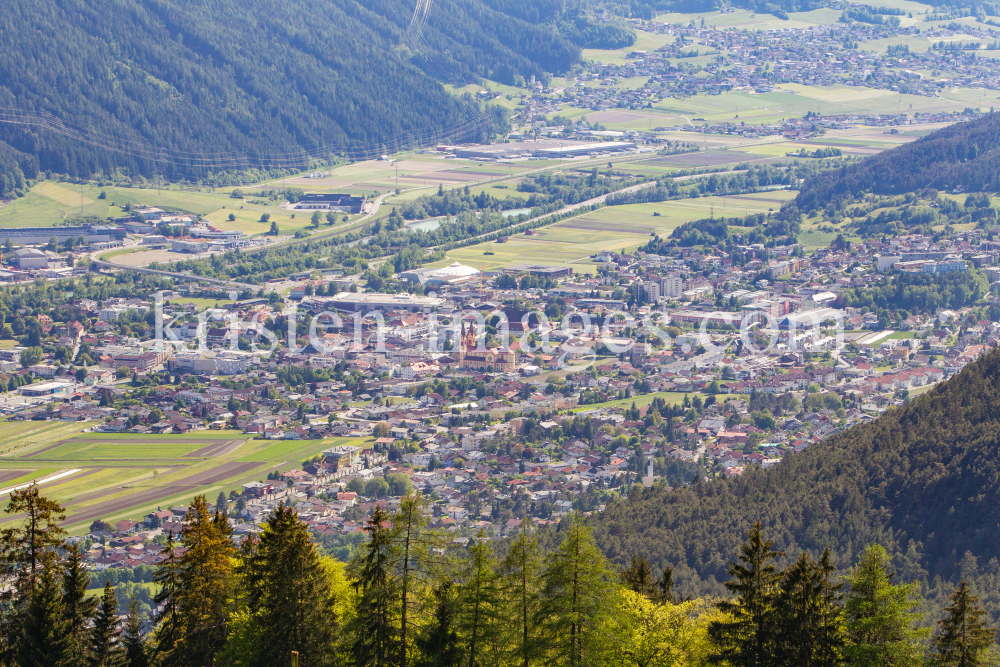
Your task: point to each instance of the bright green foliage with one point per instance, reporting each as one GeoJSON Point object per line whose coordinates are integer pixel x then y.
{"type": "Point", "coordinates": [521, 579]}
{"type": "Point", "coordinates": [880, 615]}
{"type": "Point", "coordinates": [577, 585]}
{"type": "Point", "coordinates": [963, 638]}
{"type": "Point", "coordinates": [479, 616]}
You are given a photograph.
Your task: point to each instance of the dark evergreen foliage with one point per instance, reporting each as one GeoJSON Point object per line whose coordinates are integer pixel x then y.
{"type": "Point", "coordinates": [964, 155]}
{"type": "Point", "coordinates": [922, 480]}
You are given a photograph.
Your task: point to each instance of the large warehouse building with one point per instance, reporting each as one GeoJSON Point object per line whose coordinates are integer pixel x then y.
{"type": "Point", "coordinates": [35, 235]}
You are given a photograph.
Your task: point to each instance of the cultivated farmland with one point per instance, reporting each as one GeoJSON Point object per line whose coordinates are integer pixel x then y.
{"type": "Point", "coordinates": [114, 476]}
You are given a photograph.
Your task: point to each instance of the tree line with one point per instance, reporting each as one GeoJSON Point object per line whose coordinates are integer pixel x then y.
{"type": "Point", "coordinates": [413, 595]}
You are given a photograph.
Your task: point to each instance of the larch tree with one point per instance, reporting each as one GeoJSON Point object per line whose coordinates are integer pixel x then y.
{"type": "Point", "coordinates": [480, 598]}
{"type": "Point", "coordinates": [577, 583]}
{"type": "Point", "coordinates": [520, 574]}
{"type": "Point", "coordinates": [414, 561]}
{"type": "Point", "coordinates": [205, 586]}
{"type": "Point", "coordinates": [880, 616]}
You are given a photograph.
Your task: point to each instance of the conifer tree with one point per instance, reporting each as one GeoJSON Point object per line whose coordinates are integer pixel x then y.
{"type": "Point", "coordinates": [521, 570]}
{"type": "Point", "coordinates": [575, 594]}
{"type": "Point", "coordinates": [43, 627]}
{"type": "Point", "coordinates": [205, 581]}
{"type": "Point", "coordinates": [25, 546]}
{"type": "Point", "coordinates": [168, 578]}
{"type": "Point", "coordinates": [665, 587]}
{"type": "Point", "coordinates": [289, 594]}
{"type": "Point", "coordinates": [808, 615]}
{"type": "Point", "coordinates": [222, 503]}
{"type": "Point", "coordinates": [879, 615]}
{"type": "Point", "coordinates": [374, 642]}
{"type": "Point", "coordinates": [412, 557]}
{"type": "Point", "coordinates": [962, 639]}
{"type": "Point", "coordinates": [638, 576]}
{"type": "Point", "coordinates": [104, 649]}
{"type": "Point", "coordinates": [133, 643]}
{"type": "Point", "coordinates": [748, 640]}
{"type": "Point", "coordinates": [438, 645]}
{"type": "Point", "coordinates": [479, 596]}
{"type": "Point", "coordinates": [78, 609]}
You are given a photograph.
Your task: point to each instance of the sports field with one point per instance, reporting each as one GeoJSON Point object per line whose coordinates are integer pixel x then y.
{"type": "Point", "coordinates": [113, 476]}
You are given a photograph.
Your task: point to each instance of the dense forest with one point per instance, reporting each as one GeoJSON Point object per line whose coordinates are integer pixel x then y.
{"type": "Point", "coordinates": [922, 480]}
{"type": "Point", "coordinates": [963, 155]}
{"type": "Point", "coordinates": [195, 90]}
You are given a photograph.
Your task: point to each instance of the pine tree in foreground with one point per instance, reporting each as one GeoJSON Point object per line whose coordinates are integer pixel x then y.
{"type": "Point", "coordinates": [78, 609]}
{"type": "Point", "coordinates": [439, 645]}
{"type": "Point", "coordinates": [43, 641]}
{"type": "Point", "coordinates": [373, 627]}
{"type": "Point", "coordinates": [289, 595]}
{"type": "Point", "coordinates": [748, 640]}
{"type": "Point", "coordinates": [962, 639]}
{"type": "Point", "coordinates": [808, 616]}
{"type": "Point", "coordinates": [104, 649]}
{"type": "Point", "coordinates": [133, 643]}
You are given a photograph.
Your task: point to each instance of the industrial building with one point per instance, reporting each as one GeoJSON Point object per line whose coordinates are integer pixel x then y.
{"type": "Point", "coordinates": [36, 235]}
{"type": "Point", "coordinates": [315, 201]}
{"type": "Point", "coordinates": [362, 301]}
{"type": "Point", "coordinates": [449, 275]}
{"type": "Point", "coordinates": [552, 272]}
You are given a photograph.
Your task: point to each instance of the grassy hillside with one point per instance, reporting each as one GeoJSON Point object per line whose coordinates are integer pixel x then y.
{"type": "Point", "coordinates": [922, 480]}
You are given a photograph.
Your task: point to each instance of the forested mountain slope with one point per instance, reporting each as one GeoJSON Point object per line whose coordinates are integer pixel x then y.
{"type": "Point", "coordinates": [965, 155]}
{"type": "Point", "coordinates": [923, 480]}
{"type": "Point", "coordinates": [191, 86]}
